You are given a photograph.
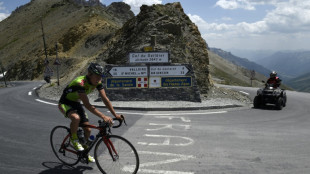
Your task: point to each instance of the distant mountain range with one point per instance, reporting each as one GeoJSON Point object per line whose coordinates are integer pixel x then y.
{"type": "Point", "coordinates": [292, 66]}
{"type": "Point", "coordinates": [288, 64]}
{"type": "Point", "coordinates": [225, 72]}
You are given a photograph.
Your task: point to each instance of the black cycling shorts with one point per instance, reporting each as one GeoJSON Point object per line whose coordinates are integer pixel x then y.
{"type": "Point", "coordinates": [76, 107]}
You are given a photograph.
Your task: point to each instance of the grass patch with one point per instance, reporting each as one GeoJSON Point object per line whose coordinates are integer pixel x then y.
{"type": "Point", "coordinates": [228, 79]}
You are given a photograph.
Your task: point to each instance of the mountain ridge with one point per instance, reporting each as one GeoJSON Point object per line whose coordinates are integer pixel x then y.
{"type": "Point", "coordinates": [80, 32]}
{"type": "Point", "coordinates": [301, 83]}
{"type": "Point", "coordinates": [241, 61]}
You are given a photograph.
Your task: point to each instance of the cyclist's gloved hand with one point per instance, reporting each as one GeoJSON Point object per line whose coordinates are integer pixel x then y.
{"type": "Point", "coordinates": [108, 120]}
{"type": "Point", "coordinates": [119, 117]}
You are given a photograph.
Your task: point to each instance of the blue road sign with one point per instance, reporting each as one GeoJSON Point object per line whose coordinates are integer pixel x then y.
{"type": "Point", "coordinates": [121, 83]}
{"type": "Point", "coordinates": [176, 81]}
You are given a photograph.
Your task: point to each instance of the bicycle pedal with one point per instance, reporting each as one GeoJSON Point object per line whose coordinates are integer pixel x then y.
{"type": "Point", "coordinates": [84, 161]}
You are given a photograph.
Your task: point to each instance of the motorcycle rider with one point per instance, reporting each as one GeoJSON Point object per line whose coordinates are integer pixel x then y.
{"type": "Point", "coordinates": [274, 80]}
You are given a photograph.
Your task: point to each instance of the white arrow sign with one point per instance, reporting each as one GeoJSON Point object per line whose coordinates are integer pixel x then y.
{"type": "Point", "coordinates": [177, 70]}
{"type": "Point", "coordinates": [130, 71]}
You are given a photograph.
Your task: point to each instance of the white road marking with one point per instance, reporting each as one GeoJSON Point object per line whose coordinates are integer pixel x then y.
{"type": "Point", "coordinates": [163, 171]}
{"type": "Point", "coordinates": [175, 158]}
{"type": "Point", "coordinates": [29, 93]}
{"type": "Point", "coordinates": [168, 126]}
{"type": "Point", "coordinates": [175, 117]}
{"type": "Point", "coordinates": [244, 93]}
{"type": "Point", "coordinates": [166, 141]}
{"type": "Point", "coordinates": [46, 102]}
{"type": "Point", "coordinates": [192, 113]}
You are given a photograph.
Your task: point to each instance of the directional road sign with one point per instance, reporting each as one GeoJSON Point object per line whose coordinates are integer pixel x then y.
{"type": "Point", "coordinates": [174, 70]}
{"type": "Point", "coordinates": [48, 71]}
{"type": "Point", "coordinates": [128, 71]}
{"type": "Point", "coordinates": [57, 62]}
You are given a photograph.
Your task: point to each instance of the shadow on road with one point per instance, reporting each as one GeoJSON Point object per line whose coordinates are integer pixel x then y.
{"type": "Point", "coordinates": [59, 168]}
{"type": "Point", "coordinates": [267, 107]}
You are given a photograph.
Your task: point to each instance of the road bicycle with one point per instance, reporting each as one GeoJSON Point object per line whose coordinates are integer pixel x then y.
{"type": "Point", "coordinates": [113, 154]}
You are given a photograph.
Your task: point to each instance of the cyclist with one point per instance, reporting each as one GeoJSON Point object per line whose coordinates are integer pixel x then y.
{"type": "Point", "coordinates": [70, 106]}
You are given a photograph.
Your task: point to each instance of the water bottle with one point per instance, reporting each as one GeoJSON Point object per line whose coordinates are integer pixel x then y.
{"type": "Point", "coordinates": [80, 135]}
{"type": "Point", "coordinates": [90, 140]}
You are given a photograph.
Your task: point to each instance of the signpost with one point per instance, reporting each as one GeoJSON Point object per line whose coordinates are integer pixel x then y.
{"type": "Point", "coordinates": [151, 76]}
{"type": "Point", "coordinates": [157, 73]}
{"type": "Point", "coordinates": [148, 76]}
{"type": "Point", "coordinates": [149, 57]}
{"type": "Point", "coordinates": [48, 71]}
{"type": "Point", "coordinates": [57, 63]}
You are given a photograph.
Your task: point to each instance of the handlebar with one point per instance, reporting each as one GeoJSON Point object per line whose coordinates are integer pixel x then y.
{"type": "Point", "coordinates": [120, 122]}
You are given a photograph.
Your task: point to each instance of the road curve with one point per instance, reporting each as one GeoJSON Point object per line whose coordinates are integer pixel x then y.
{"type": "Point", "coordinates": [25, 126]}
{"type": "Point", "coordinates": [241, 140]}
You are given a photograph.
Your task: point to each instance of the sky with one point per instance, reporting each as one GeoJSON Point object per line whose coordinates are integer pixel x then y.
{"type": "Point", "coordinates": [234, 24]}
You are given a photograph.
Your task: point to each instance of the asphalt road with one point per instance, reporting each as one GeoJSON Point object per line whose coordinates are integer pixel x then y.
{"type": "Point", "coordinates": [241, 140]}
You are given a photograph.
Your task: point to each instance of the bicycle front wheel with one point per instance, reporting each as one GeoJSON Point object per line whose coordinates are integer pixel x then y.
{"type": "Point", "coordinates": [62, 147]}
{"type": "Point", "coordinates": [116, 155]}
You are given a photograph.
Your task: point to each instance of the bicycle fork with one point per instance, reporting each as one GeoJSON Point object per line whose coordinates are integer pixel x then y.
{"type": "Point", "coordinates": [111, 148]}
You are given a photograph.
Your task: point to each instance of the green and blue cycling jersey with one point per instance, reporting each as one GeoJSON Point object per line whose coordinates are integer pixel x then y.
{"type": "Point", "coordinates": [70, 99]}
{"type": "Point", "coordinates": [79, 85]}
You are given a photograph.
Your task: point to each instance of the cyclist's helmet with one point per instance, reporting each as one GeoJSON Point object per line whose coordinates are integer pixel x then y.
{"type": "Point", "coordinates": [95, 68]}
{"type": "Point", "coordinates": [273, 74]}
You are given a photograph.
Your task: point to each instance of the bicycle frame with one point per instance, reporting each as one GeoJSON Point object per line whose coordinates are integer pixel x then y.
{"type": "Point", "coordinates": [102, 134]}
{"type": "Point", "coordinates": [106, 153]}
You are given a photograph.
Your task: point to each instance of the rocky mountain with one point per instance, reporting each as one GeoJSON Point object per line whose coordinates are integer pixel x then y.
{"type": "Point", "coordinates": [243, 62]}
{"type": "Point", "coordinates": [79, 27]}
{"type": "Point", "coordinates": [93, 32]}
{"type": "Point", "coordinates": [174, 32]}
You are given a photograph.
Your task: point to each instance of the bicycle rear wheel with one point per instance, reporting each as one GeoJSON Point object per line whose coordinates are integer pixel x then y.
{"type": "Point", "coordinates": [124, 157]}
{"type": "Point", "coordinates": [62, 147]}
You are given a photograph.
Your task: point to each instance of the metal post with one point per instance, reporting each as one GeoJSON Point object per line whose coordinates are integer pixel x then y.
{"type": "Point", "coordinates": [57, 64]}
{"type": "Point", "coordinates": [46, 62]}
{"type": "Point", "coordinates": [2, 69]}
{"type": "Point", "coordinates": [44, 41]}
{"type": "Point", "coordinates": [153, 41]}
{"type": "Point", "coordinates": [252, 77]}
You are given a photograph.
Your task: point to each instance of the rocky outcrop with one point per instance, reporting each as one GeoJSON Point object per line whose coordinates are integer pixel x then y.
{"type": "Point", "coordinates": [174, 32]}
{"type": "Point", "coordinates": [86, 3]}
{"type": "Point", "coordinates": [121, 11]}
